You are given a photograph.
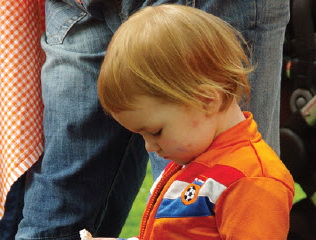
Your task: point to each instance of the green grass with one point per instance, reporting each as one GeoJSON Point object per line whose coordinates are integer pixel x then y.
{"type": "Point", "coordinates": [299, 193]}
{"type": "Point", "coordinates": [131, 227]}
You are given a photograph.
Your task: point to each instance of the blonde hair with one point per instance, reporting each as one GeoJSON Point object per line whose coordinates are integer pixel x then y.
{"type": "Point", "coordinates": [169, 51]}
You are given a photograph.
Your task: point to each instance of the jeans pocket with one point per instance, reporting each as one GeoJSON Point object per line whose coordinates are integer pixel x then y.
{"type": "Point", "coordinates": [60, 17]}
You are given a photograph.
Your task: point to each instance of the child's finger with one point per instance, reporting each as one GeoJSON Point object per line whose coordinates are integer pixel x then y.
{"type": "Point", "coordinates": [105, 238]}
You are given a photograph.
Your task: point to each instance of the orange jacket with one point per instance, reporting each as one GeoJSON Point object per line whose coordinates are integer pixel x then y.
{"type": "Point", "coordinates": [237, 189]}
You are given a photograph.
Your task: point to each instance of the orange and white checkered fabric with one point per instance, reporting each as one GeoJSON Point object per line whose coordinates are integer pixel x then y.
{"type": "Point", "coordinates": [21, 58]}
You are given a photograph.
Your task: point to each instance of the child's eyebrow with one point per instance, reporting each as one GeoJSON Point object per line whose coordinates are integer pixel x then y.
{"type": "Point", "coordinates": [147, 129]}
{"type": "Point", "coordinates": [140, 129]}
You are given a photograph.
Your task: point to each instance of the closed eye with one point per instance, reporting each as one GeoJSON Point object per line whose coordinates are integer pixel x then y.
{"type": "Point", "coordinates": [158, 133]}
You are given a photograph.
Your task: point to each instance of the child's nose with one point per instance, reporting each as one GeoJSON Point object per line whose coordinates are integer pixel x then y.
{"type": "Point", "coordinates": [151, 146]}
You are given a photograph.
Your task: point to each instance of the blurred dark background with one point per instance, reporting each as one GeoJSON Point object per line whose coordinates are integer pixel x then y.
{"type": "Point", "coordinates": [298, 114]}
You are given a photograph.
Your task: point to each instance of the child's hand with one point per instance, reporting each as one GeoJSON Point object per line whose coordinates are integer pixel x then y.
{"type": "Point", "coordinates": [105, 238]}
{"type": "Point", "coordinates": [85, 235]}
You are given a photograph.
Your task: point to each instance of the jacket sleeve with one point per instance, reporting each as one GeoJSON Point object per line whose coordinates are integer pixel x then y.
{"type": "Point", "coordinates": [133, 238]}
{"type": "Point", "coordinates": [254, 208]}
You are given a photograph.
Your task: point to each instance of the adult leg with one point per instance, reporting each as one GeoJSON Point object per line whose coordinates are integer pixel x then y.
{"type": "Point", "coordinates": [272, 18]}
{"type": "Point", "coordinates": [13, 210]}
{"type": "Point", "coordinates": [86, 153]}
{"type": "Point", "coordinates": [263, 23]}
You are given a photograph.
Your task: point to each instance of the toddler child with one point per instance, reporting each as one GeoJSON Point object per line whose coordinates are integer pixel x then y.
{"type": "Point", "coordinates": [176, 75]}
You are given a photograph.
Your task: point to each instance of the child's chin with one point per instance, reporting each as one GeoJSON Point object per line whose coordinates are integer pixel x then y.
{"type": "Point", "coordinates": [180, 161]}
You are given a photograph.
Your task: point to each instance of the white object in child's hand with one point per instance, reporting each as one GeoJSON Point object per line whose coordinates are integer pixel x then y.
{"type": "Point", "coordinates": [85, 235]}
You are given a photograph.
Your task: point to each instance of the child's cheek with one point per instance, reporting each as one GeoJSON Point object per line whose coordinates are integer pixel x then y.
{"type": "Point", "coordinates": [195, 123]}
{"type": "Point", "coordinates": [176, 146]}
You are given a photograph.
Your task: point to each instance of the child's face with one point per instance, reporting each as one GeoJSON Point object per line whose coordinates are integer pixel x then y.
{"type": "Point", "coordinates": [173, 131]}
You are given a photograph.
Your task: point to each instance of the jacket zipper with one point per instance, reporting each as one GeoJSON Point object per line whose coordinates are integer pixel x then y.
{"type": "Point", "coordinates": [153, 198]}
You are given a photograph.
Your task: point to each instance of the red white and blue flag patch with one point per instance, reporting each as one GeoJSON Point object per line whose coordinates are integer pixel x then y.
{"type": "Point", "coordinates": [195, 195]}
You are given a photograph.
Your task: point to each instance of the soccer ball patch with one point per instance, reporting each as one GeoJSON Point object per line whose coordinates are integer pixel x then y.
{"type": "Point", "coordinates": [190, 194]}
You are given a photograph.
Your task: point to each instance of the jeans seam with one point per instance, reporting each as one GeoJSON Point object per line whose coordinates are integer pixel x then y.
{"type": "Point", "coordinates": [252, 50]}
{"type": "Point", "coordinates": [115, 180]}
{"type": "Point", "coordinates": [58, 38]}
{"type": "Point", "coordinates": [120, 8]}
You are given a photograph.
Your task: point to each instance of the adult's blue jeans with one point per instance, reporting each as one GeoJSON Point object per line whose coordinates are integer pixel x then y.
{"type": "Point", "coordinates": [13, 215]}
{"type": "Point", "coordinates": [92, 168]}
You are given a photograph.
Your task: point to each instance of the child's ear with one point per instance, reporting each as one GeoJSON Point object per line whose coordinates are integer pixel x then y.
{"type": "Point", "coordinates": [210, 98]}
